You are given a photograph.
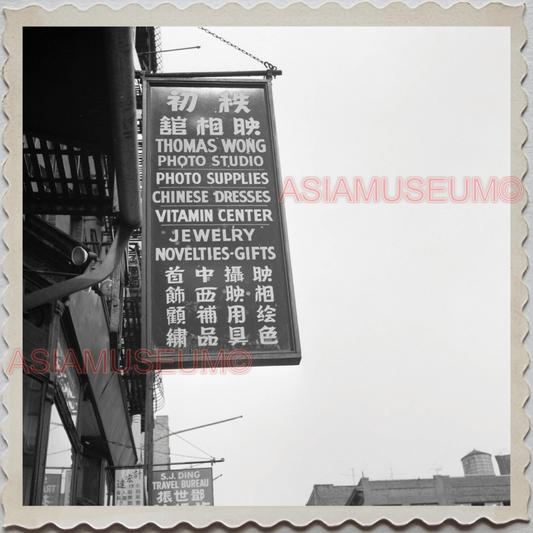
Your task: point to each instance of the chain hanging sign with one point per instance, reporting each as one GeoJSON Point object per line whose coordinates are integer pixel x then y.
{"type": "Point", "coordinates": [217, 275]}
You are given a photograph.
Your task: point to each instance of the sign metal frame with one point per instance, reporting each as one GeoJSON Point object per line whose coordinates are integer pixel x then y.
{"type": "Point", "coordinates": [163, 358]}
{"type": "Point", "coordinates": [176, 477]}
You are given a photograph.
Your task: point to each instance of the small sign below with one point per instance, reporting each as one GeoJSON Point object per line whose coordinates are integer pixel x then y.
{"type": "Point", "coordinates": [129, 486]}
{"type": "Point", "coordinates": [52, 489]}
{"type": "Point", "coordinates": [193, 486]}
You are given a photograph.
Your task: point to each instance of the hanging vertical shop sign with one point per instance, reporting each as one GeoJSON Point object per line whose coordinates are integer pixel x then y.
{"type": "Point", "coordinates": [215, 250]}
{"type": "Point", "coordinates": [129, 486]}
{"type": "Point", "coordinates": [193, 486]}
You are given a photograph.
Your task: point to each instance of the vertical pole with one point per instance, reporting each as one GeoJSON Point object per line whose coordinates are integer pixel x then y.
{"type": "Point", "coordinates": [149, 434]}
{"type": "Point", "coordinates": [145, 331]}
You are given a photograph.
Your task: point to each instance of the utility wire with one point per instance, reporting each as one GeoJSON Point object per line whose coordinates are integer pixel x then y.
{"type": "Point", "coordinates": [198, 427]}
{"type": "Point", "coordinates": [174, 433]}
{"type": "Point", "coordinates": [171, 50]}
{"type": "Point", "coordinates": [135, 448]}
{"type": "Point", "coordinates": [185, 440]}
{"type": "Point", "coordinates": [200, 450]}
{"type": "Point", "coordinates": [60, 451]}
{"type": "Point", "coordinates": [188, 456]}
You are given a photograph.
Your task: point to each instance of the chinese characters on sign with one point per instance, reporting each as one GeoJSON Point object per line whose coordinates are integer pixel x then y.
{"type": "Point", "coordinates": [216, 252]}
{"type": "Point", "coordinates": [183, 487]}
{"type": "Point", "coordinates": [129, 486]}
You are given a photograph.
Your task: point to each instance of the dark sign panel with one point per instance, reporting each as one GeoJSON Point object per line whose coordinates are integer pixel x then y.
{"type": "Point", "coordinates": [52, 489]}
{"type": "Point", "coordinates": [215, 251]}
{"type": "Point", "coordinates": [193, 486]}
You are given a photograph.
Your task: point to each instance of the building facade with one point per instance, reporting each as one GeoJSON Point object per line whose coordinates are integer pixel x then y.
{"type": "Point", "coordinates": [479, 486]}
{"type": "Point", "coordinates": [81, 265]}
{"type": "Point", "coordinates": [161, 443]}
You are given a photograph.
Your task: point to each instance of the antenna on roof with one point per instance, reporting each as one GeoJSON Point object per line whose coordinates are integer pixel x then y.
{"type": "Point", "coordinates": [352, 474]}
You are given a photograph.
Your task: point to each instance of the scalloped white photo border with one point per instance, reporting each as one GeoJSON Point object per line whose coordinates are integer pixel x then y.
{"type": "Point", "coordinates": [396, 14]}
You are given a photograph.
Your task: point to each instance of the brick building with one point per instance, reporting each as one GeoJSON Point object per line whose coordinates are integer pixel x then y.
{"type": "Point", "coordinates": [474, 488]}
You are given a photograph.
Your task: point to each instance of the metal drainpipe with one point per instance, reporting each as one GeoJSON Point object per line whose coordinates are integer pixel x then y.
{"type": "Point", "coordinates": [121, 76]}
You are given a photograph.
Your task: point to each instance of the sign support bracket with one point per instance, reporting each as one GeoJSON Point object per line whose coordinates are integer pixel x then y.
{"type": "Point", "coordinates": [212, 461]}
{"type": "Point", "coordinates": [227, 74]}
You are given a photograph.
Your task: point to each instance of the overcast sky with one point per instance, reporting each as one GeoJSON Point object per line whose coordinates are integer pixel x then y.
{"type": "Point", "coordinates": [403, 309]}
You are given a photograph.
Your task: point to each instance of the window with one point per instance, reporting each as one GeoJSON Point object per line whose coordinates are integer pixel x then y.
{"type": "Point", "coordinates": [60, 459]}
{"type": "Point", "coordinates": [89, 480]}
{"type": "Point", "coordinates": [68, 381]}
{"type": "Point", "coordinates": [63, 439]}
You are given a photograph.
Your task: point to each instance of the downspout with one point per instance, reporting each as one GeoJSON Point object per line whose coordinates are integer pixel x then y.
{"type": "Point", "coordinates": [121, 76]}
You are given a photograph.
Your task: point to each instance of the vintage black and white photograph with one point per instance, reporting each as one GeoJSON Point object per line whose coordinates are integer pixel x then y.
{"type": "Point", "coordinates": [269, 266]}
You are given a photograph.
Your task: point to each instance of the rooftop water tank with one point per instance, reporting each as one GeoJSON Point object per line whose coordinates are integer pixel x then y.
{"type": "Point", "coordinates": [504, 464]}
{"type": "Point", "coordinates": [478, 463]}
